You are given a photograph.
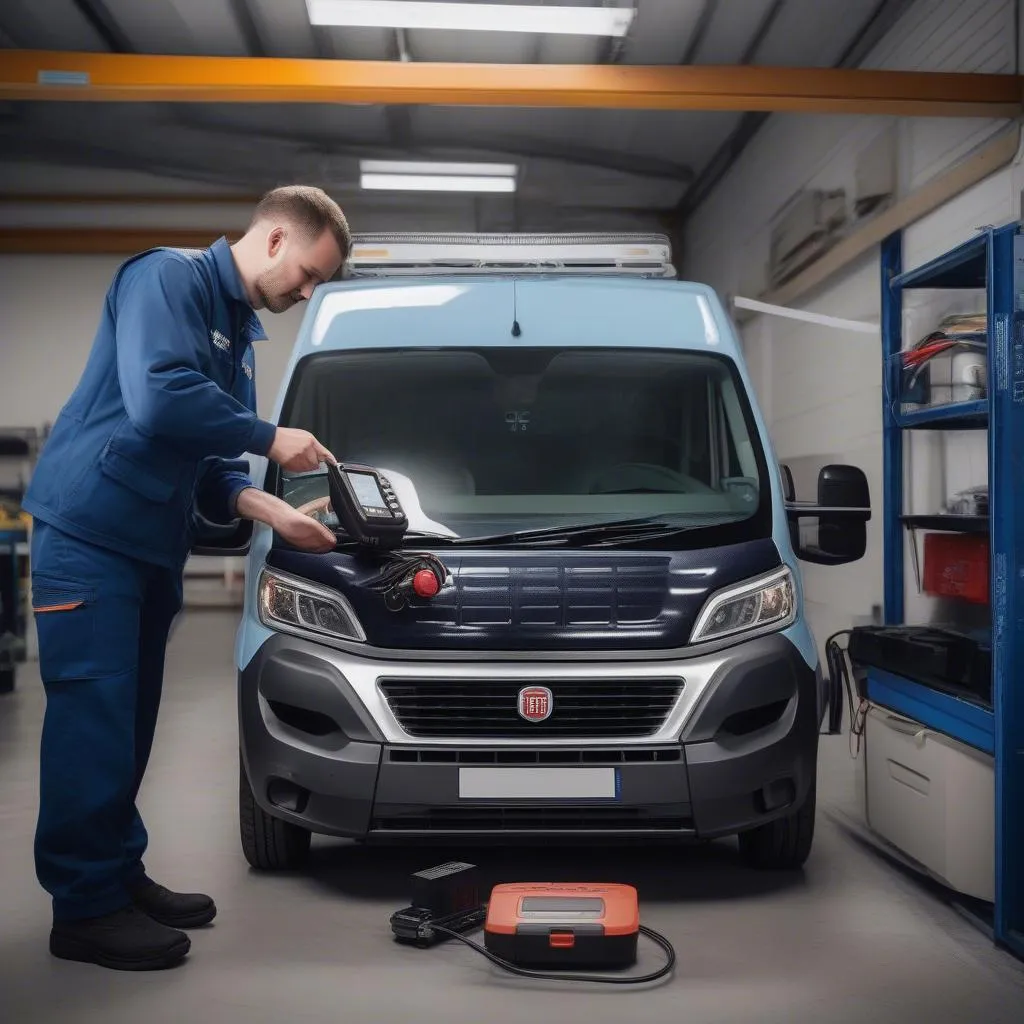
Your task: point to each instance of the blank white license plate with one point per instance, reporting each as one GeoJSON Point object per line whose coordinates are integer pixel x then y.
{"type": "Point", "coordinates": [537, 783]}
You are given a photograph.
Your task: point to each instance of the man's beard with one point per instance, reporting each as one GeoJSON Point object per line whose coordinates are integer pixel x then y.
{"type": "Point", "coordinates": [273, 300]}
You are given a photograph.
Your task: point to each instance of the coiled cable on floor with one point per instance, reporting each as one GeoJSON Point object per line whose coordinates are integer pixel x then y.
{"type": "Point", "coordinates": [605, 979]}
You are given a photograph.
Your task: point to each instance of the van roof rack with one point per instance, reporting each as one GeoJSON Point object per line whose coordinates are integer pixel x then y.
{"type": "Point", "coordinates": [397, 254]}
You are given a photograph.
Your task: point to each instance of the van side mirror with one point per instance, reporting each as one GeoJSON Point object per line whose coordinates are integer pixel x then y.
{"type": "Point", "coordinates": [833, 530]}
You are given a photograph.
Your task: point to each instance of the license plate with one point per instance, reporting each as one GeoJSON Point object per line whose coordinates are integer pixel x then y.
{"type": "Point", "coordinates": [538, 783]}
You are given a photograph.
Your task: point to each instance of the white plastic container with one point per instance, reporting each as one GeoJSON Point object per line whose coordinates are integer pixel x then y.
{"type": "Point", "coordinates": [933, 798]}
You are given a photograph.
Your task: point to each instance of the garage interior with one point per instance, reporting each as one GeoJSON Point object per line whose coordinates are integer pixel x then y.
{"type": "Point", "coordinates": [848, 183]}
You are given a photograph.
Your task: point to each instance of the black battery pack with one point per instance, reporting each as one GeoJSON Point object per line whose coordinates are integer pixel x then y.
{"type": "Point", "coordinates": [943, 659]}
{"type": "Point", "coordinates": [450, 888]}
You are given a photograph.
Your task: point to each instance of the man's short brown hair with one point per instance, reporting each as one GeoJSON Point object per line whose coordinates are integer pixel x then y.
{"type": "Point", "coordinates": [311, 209]}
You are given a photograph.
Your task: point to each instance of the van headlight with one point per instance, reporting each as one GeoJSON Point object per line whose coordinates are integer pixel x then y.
{"type": "Point", "coordinates": [765, 604]}
{"type": "Point", "coordinates": [296, 606]}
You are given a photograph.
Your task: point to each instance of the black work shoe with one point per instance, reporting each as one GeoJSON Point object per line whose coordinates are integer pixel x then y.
{"type": "Point", "coordinates": [126, 940]}
{"type": "Point", "coordinates": [174, 909]}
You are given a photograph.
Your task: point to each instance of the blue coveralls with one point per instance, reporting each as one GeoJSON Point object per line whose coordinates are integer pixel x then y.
{"type": "Point", "coordinates": [146, 449]}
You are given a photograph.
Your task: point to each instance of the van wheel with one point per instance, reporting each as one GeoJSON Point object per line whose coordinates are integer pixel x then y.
{"type": "Point", "coordinates": [267, 842]}
{"type": "Point", "coordinates": [783, 844]}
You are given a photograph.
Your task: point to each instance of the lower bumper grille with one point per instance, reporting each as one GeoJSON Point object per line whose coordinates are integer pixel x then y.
{"type": "Point", "coordinates": [490, 708]}
{"type": "Point", "coordinates": [532, 819]}
{"type": "Point", "coordinates": [555, 755]}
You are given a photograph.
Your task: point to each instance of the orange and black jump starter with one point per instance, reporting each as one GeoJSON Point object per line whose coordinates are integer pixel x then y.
{"type": "Point", "coordinates": [556, 924]}
{"type": "Point", "coordinates": [532, 925]}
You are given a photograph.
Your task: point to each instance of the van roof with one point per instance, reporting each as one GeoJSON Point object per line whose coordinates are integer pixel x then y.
{"type": "Point", "coordinates": [405, 254]}
{"type": "Point", "coordinates": [604, 291]}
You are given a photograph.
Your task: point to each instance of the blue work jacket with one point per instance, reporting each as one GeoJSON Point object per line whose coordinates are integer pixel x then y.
{"type": "Point", "coordinates": [154, 431]}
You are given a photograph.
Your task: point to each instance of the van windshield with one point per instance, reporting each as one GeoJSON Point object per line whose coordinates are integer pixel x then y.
{"type": "Point", "coordinates": [502, 440]}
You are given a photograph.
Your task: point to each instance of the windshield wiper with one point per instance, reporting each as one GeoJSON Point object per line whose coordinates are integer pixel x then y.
{"type": "Point", "coordinates": [584, 533]}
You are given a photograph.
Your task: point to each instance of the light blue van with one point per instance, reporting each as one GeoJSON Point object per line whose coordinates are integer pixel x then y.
{"type": "Point", "coordinates": [617, 646]}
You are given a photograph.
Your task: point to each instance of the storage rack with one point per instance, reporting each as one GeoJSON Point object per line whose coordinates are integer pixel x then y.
{"type": "Point", "coordinates": [18, 445]}
{"type": "Point", "coordinates": [993, 260]}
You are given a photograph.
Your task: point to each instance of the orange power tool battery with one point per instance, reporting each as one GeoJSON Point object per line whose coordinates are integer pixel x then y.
{"type": "Point", "coordinates": [553, 924]}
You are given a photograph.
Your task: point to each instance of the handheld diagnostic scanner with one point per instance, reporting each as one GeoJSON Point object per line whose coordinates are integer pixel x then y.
{"type": "Point", "coordinates": [366, 505]}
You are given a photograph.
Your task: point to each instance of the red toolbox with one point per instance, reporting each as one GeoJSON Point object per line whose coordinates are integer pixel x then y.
{"type": "Point", "coordinates": [957, 565]}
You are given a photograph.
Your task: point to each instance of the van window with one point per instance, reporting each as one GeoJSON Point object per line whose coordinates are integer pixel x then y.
{"type": "Point", "coordinates": [501, 439]}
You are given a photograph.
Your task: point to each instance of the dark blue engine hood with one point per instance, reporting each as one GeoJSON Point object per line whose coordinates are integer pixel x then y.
{"type": "Point", "coordinates": [539, 600]}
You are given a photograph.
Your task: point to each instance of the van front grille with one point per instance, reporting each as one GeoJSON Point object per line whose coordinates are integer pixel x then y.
{"type": "Point", "coordinates": [490, 708]}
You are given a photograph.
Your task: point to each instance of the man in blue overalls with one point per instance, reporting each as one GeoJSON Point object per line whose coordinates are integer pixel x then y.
{"type": "Point", "coordinates": [146, 449]}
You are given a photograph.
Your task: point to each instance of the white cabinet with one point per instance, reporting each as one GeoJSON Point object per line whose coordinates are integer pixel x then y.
{"type": "Point", "coordinates": [933, 798]}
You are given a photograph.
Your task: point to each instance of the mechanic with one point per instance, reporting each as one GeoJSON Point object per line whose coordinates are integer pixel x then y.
{"type": "Point", "coordinates": [143, 455]}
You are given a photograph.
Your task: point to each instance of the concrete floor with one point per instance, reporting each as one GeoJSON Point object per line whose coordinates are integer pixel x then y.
{"type": "Point", "coordinates": [851, 938]}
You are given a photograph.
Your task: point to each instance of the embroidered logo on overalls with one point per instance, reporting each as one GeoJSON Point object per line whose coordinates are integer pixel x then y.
{"type": "Point", "coordinates": [247, 370]}
{"type": "Point", "coordinates": [220, 341]}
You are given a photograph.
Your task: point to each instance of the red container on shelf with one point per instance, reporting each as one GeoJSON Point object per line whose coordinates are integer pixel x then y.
{"type": "Point", "coordinates": [957, 565]}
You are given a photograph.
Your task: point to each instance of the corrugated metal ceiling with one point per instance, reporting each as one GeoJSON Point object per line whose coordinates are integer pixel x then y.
{"type": "Point", "coordinates": [631, 159]}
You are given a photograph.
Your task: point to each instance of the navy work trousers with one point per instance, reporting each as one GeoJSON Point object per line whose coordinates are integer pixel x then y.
{"type": "Point", "coordinates": [103, 620]}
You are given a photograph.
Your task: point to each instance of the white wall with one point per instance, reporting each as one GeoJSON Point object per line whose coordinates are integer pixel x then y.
{"type": "Point", "coordinates": [821, 389]}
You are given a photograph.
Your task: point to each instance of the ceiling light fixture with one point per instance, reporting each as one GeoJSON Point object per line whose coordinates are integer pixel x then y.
{"type": "Point", "coordinates": [435, 183]}
{"type": "Point", "coordinates": [425, 176]}
{"type": "Point", "coordinates": [478, 17]}
{"type": "Point", "coordinates": [434, 167]}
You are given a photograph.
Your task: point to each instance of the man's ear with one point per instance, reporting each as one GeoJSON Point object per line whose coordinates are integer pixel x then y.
{"type": "Point", "coordinates": [275, 241]}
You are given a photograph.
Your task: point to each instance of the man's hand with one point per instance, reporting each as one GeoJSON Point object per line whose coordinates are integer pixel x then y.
{"type": "Point", "coordinates": [298, 451]}
{"type": "Point", "coordinates": [296, 528]}
{"type": "Point", "coordinates": [305, 533]}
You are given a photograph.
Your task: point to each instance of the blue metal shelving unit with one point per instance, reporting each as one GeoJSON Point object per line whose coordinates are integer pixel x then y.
{"type": "Point", "coordinates": [993, 260]}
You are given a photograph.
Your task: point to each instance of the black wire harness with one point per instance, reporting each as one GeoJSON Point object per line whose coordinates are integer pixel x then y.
{"type": "Point", "coordinates": [841, 678]}
{"type": "Point", "coordinates": [397, 573]}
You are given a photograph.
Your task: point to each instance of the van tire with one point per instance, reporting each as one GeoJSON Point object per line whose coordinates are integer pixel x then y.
{"type": "Point", "coordinates": [783, 844]}
{"type": "Point", "coordinates": [268, 843]}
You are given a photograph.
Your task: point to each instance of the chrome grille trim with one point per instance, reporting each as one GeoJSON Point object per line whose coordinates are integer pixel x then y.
{"type": "Point", "coordinates": [612, 708]}
{"type": "Point", "coordinates": [363, 675]}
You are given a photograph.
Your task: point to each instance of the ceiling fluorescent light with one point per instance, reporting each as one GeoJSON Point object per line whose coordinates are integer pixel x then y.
{"type": "Point", "coordinates": [433, 167]}
{"type": "Point", "coordinates": [478, 17]}
{"type": "Point", "coordinates": [437, 182]}
{"type": "Point", "coordinates": [434, 176]}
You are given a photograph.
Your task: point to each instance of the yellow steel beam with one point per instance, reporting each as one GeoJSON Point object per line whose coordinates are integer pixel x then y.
{"type": "Point", "coordinates": [97, 77]}
{"type": "Point", "coordinates": [128, 198]}
{"type": "Point", "coordinates": [103, 241]}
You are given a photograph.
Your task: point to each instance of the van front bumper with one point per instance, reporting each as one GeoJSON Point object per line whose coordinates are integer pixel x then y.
{"type": "Point", "coordinates": [323, 749]}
